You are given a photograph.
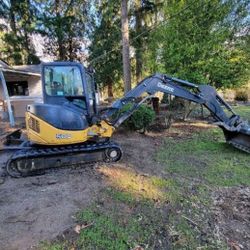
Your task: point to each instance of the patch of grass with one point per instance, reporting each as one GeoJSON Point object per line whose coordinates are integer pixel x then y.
{"type": "Point", "coordinates": [206, 156]}
{"type": "Point", "coordinates": [106, 233]}
{"type": "Point", "coordinates": [51, 246]}
{"type": "Point", "coordinates": [132, 187]}
{"type": "Point", "coordinates": [116, 229]}
{"type": "Point", "coordinates": [170, 186]}
{"type": "Point", "coordinates": [137, 185]}
{"type": "Point", "coordinates": [163, 183]}
{"type": "Point", "coordinates": [199, 164]}
{"type": "Point", "coordinates": [117, 195]}
{"type": "Point", "coordinates": [120, 222]}
{"type": "Point", "coordinates": [243, 111]}
{"type": "Point", "coordinates": [187, 236]}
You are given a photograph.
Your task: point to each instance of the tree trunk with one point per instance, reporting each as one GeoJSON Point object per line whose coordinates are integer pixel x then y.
{"type": "Point", "coordinates": [27, 32]}
{"type": "Point", "coordinates": [59, 32]}
{"type": "Point", "coordinates": [125, 47]}
{"type": "Point", "coordinates": [139, 44]}
{"type": "Point", "coordinates": [70, 49]}
{"type": "Point", "coordinates": [110, 91]}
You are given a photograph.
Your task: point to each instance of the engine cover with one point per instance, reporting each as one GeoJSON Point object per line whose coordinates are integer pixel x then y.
{"type": "Point", "coordinates": [60, 117]}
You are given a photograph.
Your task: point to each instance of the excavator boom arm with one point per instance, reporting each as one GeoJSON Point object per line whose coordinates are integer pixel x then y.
{"type": "Point", "coordinates": [202, 94]}
{"type": "Point", "coordinates": [232, 125]}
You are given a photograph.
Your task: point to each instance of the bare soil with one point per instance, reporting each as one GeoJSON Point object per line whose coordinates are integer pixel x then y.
{"type": "Point", "coordinates": [232, 215]}
{"type": "Point", "coordinates": [40, 208]}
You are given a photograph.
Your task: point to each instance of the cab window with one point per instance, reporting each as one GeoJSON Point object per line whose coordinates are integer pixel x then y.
{"type": "Point", "coordinates": [63, 81]}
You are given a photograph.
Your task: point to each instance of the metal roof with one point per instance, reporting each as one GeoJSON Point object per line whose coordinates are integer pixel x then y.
{"type": "Point", "coordinates": [34, 69]}
{"type": "Point", "coordinates": [22, 72]}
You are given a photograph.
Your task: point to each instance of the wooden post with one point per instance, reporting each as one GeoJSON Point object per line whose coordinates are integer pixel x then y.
{"type": "Point", "coordinates": [7, 98]}
{"type": "Point", "coordinates": [156, 105]}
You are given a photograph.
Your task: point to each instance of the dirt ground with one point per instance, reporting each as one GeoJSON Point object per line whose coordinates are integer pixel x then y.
{"type": "Point", "coordinates": [232, 215]}
{"type": "Point", "coordinates": [39, 208]}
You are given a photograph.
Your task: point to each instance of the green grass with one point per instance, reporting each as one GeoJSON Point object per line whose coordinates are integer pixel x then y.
{"type": "Point", "coordinates": [52, 246]}
{"type": "Point", "coordinates": [106, 232]}
{"type": "Point", "coordinates": [129, 181]}
{"type": "Point", "coordinates": [200, 164]}
{"type": "Point", "coordinates": [124, 225]}
{"type": "Point", "coordinates": [243, 111]}
{"type": "Point", "coordinates": [117, 224]}
{"type": "Point", "coordinates": [125, 197]}
{"type": "Point", "coordinates": [206, 156]}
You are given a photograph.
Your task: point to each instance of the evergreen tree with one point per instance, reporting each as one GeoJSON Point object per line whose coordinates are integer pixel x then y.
{"type": "Point", "coordinates": [144, 14]}
{"type": "Point", "coordinates": [19, 25]}
{"type": "Point", "coordinates": [202, 42]}
{"type": "Point", "coordinates": [105, 49]}
{"type": "Point", "coordinates": [63, 24]}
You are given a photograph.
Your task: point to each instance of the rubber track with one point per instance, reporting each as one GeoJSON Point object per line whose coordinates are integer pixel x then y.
{"type": "Point", "coordinates": [37, 152]}
{"type": "Point", "coordinates": [43, 152]}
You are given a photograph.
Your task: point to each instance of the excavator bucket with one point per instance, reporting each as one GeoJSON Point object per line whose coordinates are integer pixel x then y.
{"type": "Point", "coordinates": [239, 139]}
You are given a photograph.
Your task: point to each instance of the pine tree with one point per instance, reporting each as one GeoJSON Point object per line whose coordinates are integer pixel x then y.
{"type": "Point", "coordinates": [19, 17]}
{"type": "Point", "coordinates": [105, 50]}
{"type": "Point", "coordinates": [63, 25]}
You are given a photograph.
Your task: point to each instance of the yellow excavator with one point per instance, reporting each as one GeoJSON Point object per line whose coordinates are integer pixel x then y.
{"type": "Point", "coordinates": [69, 129]}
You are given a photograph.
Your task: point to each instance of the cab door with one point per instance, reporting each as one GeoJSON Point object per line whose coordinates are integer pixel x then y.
{"type": "Point", "coordinates": [91, 91]}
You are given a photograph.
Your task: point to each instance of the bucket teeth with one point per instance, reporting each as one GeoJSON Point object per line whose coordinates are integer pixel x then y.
{"type": "Point", "coordinates": [239, 146]}
{"type": "Point", "coordinates": [240, 140]}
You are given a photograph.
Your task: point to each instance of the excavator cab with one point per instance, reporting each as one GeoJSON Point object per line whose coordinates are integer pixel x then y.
{"type": "Point", "coordinates": [69, 83]}
{"type": "Point", "coordinates": [70, 103]}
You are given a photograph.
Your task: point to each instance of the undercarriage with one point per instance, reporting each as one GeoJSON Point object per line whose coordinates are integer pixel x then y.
{"type": "Point", "coordinates": [28, 159]}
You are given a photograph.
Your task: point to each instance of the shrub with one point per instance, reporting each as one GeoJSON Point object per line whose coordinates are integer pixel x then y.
{"type": "Point", "coordinates": [165, 99]}
{"type": "Point", "coordinates": [140, 119]}
{"type": "Point", "coordinates": [241, 96]}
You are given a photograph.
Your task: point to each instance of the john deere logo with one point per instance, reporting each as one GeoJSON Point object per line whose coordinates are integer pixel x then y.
{"type": "Point", "coordinates": [160, 85]}
{"type": "Point", "coordinates": [63, 136]}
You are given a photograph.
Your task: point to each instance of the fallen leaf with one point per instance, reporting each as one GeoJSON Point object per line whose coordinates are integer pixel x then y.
{"type": "Point", "coordinates": [78, 227]}
{"type": "Point", "coordinates": [234, 245]}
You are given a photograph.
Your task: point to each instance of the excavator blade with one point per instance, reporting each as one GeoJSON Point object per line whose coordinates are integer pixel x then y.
{"type": "Point", "coordinates": [239, 139]}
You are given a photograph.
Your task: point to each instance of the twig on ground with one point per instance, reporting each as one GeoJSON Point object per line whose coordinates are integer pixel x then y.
{"type": "Point", "coordinates": [191, 221]}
